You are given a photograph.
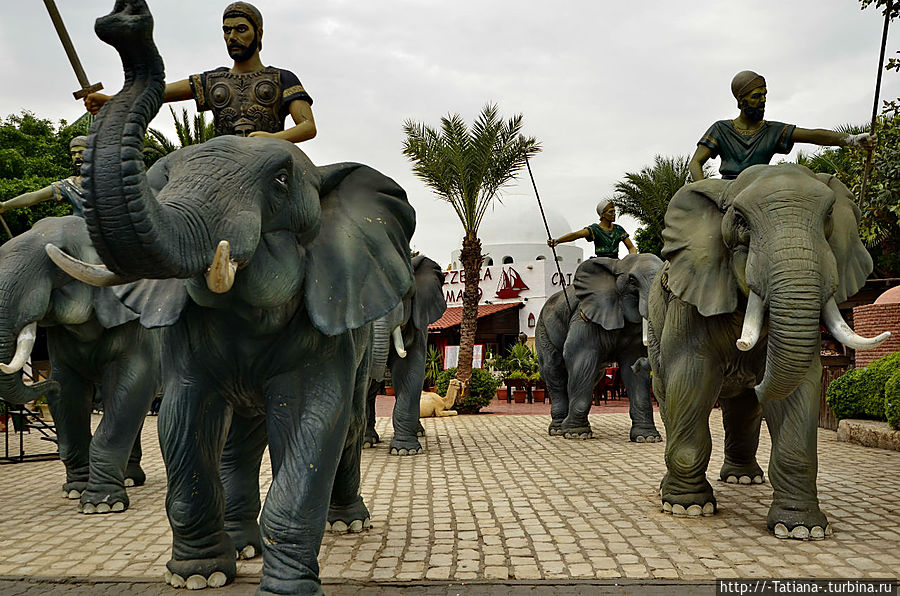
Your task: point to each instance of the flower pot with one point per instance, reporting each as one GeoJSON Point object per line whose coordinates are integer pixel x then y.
{"type": "Point", "coordinates": [538, 395]}
{"type": "Point", "coordinates": [519, 395]}
{"type": "Point", "coordinates": [502, 393]}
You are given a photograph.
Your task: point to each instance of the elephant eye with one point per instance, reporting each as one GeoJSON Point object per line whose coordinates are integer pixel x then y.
{"type": "Point", "coordinates": [742, 228]}
{"type": "Point", "coordinates": [829, 223]}
{"type": "Point", "coordinates": [282, 179]}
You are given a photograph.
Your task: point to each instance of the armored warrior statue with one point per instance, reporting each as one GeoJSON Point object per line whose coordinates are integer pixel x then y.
{"type": "Point", "coordinates": [248, 99]}
{"type": "Point", "coordinates": [68, 189]}
{"type": "Point", "coordinates": [750, 140]}
{"type": "Point", "coordinates": [606, 235]}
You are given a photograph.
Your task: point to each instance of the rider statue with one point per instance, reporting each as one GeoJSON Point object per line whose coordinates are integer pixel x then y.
{"type": "Point", "coordinates": [68, 189]}
{"type": "Point", "coordinates": [606, 235]}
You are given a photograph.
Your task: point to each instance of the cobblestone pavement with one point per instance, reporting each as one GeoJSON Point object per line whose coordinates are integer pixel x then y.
{"type": "Point", "coordinates": [494, 499]}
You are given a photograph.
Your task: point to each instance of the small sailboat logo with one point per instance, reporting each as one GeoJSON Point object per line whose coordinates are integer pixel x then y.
{"type": "Point", "coordinates": [511, 284]}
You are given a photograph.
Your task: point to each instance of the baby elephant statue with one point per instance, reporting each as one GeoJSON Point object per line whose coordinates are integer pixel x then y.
{"type": "Point", "coordinates": [400, 342]}
{"type": "Point", "coordinates": [93, 339]}
{"type": "Point", "coordinates": [754, 265]}
{"type": "Point", "coordinates": [605, 324]}
{"type": "Point", "coordinates": [433, 405]}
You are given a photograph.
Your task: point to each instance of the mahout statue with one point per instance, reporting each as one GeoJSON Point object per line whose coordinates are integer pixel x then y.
{"type": "Point", "coordinates": [400, 344]}
{"type": "Point", "coordinates": [754, 265]}
{"type": "Point", "coordinates": [68, 189]}
{"type": "Point", "coordinates": [247, 99]}
{"type": "Point", "coordinates": [606, 234]}
{"type": "Point", "coordinates": [287, 264]}
{"type": "Point", "coordinates": [751, 140]}
{"type": "Point", "coordinates": [604, 325]}
{"type": "Point", "coordinates": [93, 339]}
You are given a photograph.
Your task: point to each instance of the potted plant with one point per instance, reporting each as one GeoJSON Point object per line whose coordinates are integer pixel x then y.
{"type": "Point", "coordinates": [538, 389]}
{"type": "Point", "coordinates": [479, 393]}
{"type": "Point", "coordinates": [518, 380]}
{"type": "Point", "coordinates": [433, 367]}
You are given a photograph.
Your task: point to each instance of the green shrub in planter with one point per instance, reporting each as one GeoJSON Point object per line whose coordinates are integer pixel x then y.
{"type": "Point", "coordinates": [860, 393]}
{"type": "Point", "coordinates": [876, 377]}
{"type": "Point", "coordinates": [482, 389]}
{"type": "Point", "coordinates": [844, 396]}
{"type": "Point", "coordinates": [892, 400]}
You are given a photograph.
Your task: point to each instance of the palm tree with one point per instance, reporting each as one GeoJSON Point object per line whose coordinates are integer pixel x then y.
{"type": "Point", "coordinates": [468, 168]}
{"type": "Point", "coordinates": [645, 195]}
{"type": "Point", "coordinates": [157, 144]}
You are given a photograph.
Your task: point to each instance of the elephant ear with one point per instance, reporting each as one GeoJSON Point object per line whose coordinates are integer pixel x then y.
{"type": "Point", "coordinates": [358, 263]}
{"type": "Point", "coordinates": [110, 310]}
{"type": "Point", "coordinates": [160, 302]}
{"type": "Point", "coordinates": [429, 302]}
{"type": "Point", "coordinates": [597, 292]}
{"type": "Point", "coordinates": [854, 262]}
{"type": "Point", "coordinates": [700, 271]}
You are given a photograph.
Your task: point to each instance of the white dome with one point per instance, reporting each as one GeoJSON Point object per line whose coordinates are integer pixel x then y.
{"type": "Point", "coordinates": [519, 220]}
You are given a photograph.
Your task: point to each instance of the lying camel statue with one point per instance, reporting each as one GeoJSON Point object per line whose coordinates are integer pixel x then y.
{"type": "Point", "coordinates": [432, 404]}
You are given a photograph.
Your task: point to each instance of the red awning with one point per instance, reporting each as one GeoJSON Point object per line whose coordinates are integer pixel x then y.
{"type": "Point", "coordinates": [453, 315]}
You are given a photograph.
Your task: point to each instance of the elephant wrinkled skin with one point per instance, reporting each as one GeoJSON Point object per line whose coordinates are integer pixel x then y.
{"type": "Point", "coordinates": [754, 265]}
{"type": "Point", "coordinates": [93, 339]}
{"type": "Point", "coordinates": [609, 305]}
{"type": "Point", "coordinates": [287, 265]}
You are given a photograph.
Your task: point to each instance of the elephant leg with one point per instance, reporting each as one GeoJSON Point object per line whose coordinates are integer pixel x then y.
{"type": "Point", "coordinates": [640, 404]}
{"type": "Point", "coordinates": [793, 465]}
{"type": "Point", "coordinates": [127, 390]}
{"type": "Point", "coordinates": [71, 410]}
{"type": "Point", "coordinates": [691, 390]}
{"type": "Point", "coordinates": [407, 375]}
{"type": "Point", "coordinates": [134, 474]}
{"type": "Point", "coordinates": [347, 511]}
{"type": "Point", "coordinates": [371, 436]}
{"type": "Point", "coordinates": [192, 431]}
{"type": "Point", "coordinates": [556, 378]}
{"type": "Point", "coordinates": [741, 418]}
{"type": "Point", "coordinates": [583, 361]}
{"type": "Point", "coordinates": [239, 471]}
{"type": "Point", "coordinates": [308, 420]}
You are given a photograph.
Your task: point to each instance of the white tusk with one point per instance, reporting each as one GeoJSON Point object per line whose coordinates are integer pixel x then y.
{"type": "Point", "coordinates": [24, 343]}
{"type": "Point", "coordinates": [841, 331]}
{"type": "Point", "coordinates": [398, 342]}
{"type": "Point", "coordinates": [645, 331]}
{"type": "Point", "coordinates": [753, 322]}
{"type": "Point", "coordinates": [220, 275]}
{"type": "Point", "coordinates": [94, 275]}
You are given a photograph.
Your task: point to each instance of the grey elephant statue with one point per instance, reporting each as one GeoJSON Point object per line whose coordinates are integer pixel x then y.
{"type": "Point", "coordinates": [605, 324]}
{"type": "Point", "coordinates": [287, 264]}
{"type": "Point", "coordinates": [93, 339]}
{"type": "Point", "coordinates": [754, 265]}
{"type": "Point", "coordinates": [400, 343]}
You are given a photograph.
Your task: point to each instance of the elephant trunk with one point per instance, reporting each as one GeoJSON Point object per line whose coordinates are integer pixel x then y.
{"type": "Point", "coordinates": [381, 332]}
{"type": "Point", "coordinates": [12, 388]}
{"type": "Point", "coordinates": [131, 231]}
{"type": "Point", "coordinates": [795, 305]}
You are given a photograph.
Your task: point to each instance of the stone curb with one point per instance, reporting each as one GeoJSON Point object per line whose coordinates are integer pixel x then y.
{"type": "Point", "coordinates": [869, 433]}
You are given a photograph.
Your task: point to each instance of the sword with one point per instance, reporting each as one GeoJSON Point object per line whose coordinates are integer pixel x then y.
{"type": "Point", "coordinates": [86, 86]}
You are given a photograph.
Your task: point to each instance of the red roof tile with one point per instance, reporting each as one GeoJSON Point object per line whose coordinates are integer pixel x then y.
{"type": "Point", "coordinates": [453, 315]}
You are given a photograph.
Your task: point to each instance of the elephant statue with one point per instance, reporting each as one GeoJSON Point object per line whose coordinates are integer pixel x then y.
{"type": "Point", "coordinates": [754, 265]}
{"type": "Point", "coordinates": [286, 266]}
{"type": "Point", "coordinates": [401, 338]}
{"type": "Point", "coordinates": [608, 305]}
{"type": "Point", "coordinates": [93, 339]}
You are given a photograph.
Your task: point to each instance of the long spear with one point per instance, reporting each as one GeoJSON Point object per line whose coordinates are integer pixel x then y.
{"type": "Point", "coordinates": [5, 227]}
{"type": "Point", "coordinates": [562, 279]}
{"type": "Point", "coordinates": [884, 34]}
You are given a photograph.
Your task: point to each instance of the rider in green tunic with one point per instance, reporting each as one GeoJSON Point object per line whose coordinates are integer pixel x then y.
{"type": "Point", "coordinates": [605, 235]}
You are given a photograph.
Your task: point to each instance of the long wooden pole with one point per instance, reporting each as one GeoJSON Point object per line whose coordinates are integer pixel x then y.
{"type": "Point", "coordinates": [884, 34]}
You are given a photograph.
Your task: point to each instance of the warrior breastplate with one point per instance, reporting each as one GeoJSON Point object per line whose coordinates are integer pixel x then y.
{"type": "Point", "coordinates": [245, 103]}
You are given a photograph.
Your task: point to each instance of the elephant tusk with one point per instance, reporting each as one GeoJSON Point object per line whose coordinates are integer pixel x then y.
{"type": "Point", "coordinates": [645, 331]}
{"type": "Point", "coordinates": [220, 275]}
{"type": "Point", "coordinates": [397, 335]}
{"type": "Point", "coordinates": [753, 322]}
{"type": "Point", "coordinates": [24, 343]}
{"type": "Point", "coordinates": [94, 275]}
{"type": "Point", "coordinates": [842, 332]}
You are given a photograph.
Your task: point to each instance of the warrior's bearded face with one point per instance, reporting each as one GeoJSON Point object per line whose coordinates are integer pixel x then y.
{"type": "Point", "coordinates": [241, 38]}
{"type": "Point", "coordinates": [76, 154]}
{"type": "Point", "coordinates": [754, 104]}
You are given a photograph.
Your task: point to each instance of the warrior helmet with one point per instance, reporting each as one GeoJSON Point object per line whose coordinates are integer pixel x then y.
{"type": "Point", "coordinates": [744, 82]}
{"type": "Point", "coordinates": [602, 205]}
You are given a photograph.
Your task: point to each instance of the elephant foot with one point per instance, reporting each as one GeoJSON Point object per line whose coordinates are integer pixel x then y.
{"type": "Point", "coordinates": [690, 504]}
{"type": "Point", "coordinates": [798, 522]}
{"type": "Point", "coordinates": [643, 434]}
{"type": "Point", "coordinates": [246, 538]}
{"type": "Point", "coordinates": [555, 428]}
{"type": "Point", "coordinates": [420, 430]}
{"type": "Point", "coordinates": [196, 574]}
{"type": "Point", "coordinates": [745, 475]}
{"type": "Point", "coordinates": [578, 432]}
{"type": "Point", "coordinates": [695, 510]}
{"type": "Point", "coordinates": [350, 518]}
{"type": "Point", "coordinates": [134, 476]}
{"type": "Point", "coordinates": [270, 586]}
{"type": "Point", "coordinates": [73, 490]}
{"type": "Point", "coordinates": [370, 439]}
{"type": "Point", "coordinates": [406, 447]}
{"type": "Point", "coordinates": [103, 501]}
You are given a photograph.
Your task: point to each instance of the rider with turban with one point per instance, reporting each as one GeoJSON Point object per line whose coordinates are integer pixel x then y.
{"type": "Point", "coordinates": [605, 235]}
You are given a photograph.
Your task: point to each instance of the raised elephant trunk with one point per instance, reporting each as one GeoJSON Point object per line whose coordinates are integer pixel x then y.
{"type": "Point", "coordinates": [150, 240]}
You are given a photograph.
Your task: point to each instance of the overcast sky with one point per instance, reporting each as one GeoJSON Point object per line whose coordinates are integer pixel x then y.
{"type": "Point", "coordinates": [603, 85]}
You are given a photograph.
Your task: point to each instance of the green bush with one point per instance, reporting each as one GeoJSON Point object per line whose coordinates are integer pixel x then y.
{"type": "Point", "coordinates": [892, 400]}
{"type": "Point", "coordinates": [843, 395]}
{"type": "Point", "coordinates": [860, 393]}
{"type": "Point", "coordinates": [877, 375]}
{"type": "Point", "coordinates": [482, 389]}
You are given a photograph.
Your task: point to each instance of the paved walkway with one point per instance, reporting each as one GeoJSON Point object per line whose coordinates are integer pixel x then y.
{"type": "Point", "coordinates": [494, 499]}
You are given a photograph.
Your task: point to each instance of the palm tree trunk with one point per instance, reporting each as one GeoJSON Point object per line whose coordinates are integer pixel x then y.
{"type": "Point", "coordinates": [471, 263]}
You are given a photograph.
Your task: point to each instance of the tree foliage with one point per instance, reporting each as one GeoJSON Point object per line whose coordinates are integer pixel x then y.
{"type": "Point", "coordinates": [189, 132]}
{"type": "Point", "coordinates": [645, 195]}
